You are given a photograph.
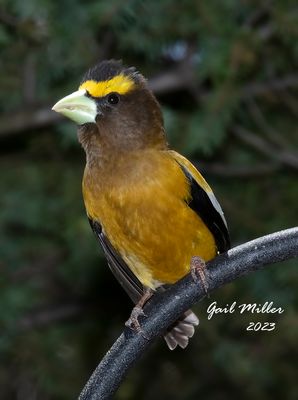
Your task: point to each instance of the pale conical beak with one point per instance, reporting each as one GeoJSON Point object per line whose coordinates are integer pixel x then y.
{"type": "Point", "coordinates": [78, 107]}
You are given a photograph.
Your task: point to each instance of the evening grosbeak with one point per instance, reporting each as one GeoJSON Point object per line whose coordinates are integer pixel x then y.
{"type": "Point", "coordinates": [151, 210]}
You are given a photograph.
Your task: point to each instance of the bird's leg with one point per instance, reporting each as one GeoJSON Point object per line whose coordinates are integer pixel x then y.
{"type": "Point", "coordinates": [137, 311]}
{"type": "Point", "coordinates": [198, 271]}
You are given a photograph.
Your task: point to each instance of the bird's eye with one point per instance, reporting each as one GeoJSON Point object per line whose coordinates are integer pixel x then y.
{"type": "Point", "coordinates": [113, 98]}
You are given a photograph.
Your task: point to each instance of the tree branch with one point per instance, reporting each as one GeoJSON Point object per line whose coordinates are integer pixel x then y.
{"type": "Point", "coordinates": [20, 121]}
{"type": "Point", "coordinates": [166, 82]}
{"type": "Point", "coordinates": [165, 308]}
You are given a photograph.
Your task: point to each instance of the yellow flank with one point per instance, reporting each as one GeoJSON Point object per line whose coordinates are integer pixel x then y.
{"type": "Point", "coordinates": [121, 84]}
{"type": "Point", "coordinates": [143, 211]}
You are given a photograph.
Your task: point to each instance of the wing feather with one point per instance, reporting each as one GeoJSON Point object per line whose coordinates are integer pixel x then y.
{"type": "Point", "coordinates": [121, 271]}
{"type": "Point", "coordinates": [205, 204]}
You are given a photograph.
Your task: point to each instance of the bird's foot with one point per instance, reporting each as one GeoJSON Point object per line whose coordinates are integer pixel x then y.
{"type": "Point", "coordinates": [133, 321]}
{"type": "Point", "coordinates": [198, 272]}
{"type": "Point", "coordinates": [137, 312]}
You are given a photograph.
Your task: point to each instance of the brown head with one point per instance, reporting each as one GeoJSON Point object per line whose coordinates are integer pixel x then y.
{"type": "Point", "coordinates": [115, 110]}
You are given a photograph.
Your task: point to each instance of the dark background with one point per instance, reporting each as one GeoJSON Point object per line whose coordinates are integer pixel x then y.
{"type": "Point", "coordinates": [226, 76]}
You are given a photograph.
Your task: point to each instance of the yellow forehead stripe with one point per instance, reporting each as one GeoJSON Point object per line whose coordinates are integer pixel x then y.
{"type": "Point", "coordinates": [121, 84]}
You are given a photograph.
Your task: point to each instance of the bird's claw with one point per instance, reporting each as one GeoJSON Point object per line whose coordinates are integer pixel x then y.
{"type": "Point", "coordinates": [198, 272]}
{"type": "Point", "coordinates": [133, 321]}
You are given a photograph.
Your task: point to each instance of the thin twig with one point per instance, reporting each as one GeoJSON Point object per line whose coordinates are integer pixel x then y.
{"type": "Point", "coordinates": [49, 316]}
{"type": "Point", "coordinates": [254, 89]}
{"type": "Point", "coordinates": [238, 171]}
{"type": "Point", "coordinates": [165, 308]}
{"type": "Point", "coordinates": [268, 130]}
{"type": "Point", "coordinates": [290, 101]}
{"type": "Point", "coordinates": [283, 156]}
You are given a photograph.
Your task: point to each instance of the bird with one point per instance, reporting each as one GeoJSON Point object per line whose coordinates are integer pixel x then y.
{"type": "Point", "coordinates": [153, 213]}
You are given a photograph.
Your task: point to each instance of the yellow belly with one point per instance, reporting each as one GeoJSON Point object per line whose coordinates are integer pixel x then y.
{"type": "Point", "coordinates": [150, 225]}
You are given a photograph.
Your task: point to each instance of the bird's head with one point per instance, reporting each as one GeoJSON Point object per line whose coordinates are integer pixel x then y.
{"type": "Point", "coordinates": [114, 108]}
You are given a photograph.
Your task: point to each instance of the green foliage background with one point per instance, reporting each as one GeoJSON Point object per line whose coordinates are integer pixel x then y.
{"type": "Point", "coordinates": [60, 308]}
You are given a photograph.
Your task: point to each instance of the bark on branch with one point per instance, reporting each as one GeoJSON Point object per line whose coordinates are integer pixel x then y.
{"type": "Point", "coordinates": [166, 307]}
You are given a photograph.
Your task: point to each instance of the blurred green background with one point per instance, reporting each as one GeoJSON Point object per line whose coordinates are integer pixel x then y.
{"type": "Point", "coordinates": [226, 76]}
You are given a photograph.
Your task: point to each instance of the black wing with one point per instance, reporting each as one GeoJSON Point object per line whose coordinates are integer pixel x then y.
{"type": "Point", "coordinates": [120, 269]}
{"type": "Point", "coordinates": [209, 210]}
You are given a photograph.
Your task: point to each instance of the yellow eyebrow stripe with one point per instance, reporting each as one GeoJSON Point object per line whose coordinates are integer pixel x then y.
{"type": "Point", "coordinates": [121, 84]}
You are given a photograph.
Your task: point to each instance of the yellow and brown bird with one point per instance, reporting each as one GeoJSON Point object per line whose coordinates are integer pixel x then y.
{"type": "Point", "coordinates": [149, 207]}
